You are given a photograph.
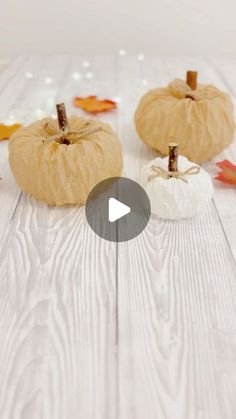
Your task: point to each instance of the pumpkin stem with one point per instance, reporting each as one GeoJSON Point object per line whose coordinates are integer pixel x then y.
{"type": "Point", "coordinates": [62, 121]}
{"type": "Point", "coordinates": [191, 79]}
{"type": "Point", "coordinates": [173, 157]}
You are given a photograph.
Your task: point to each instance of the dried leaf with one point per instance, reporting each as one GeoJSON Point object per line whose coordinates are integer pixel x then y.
{"type": "Point", "coordinates": [228, 173]}
{"type": "Point", "coordinates": [91, 104]}
{"type": "Point", "coordinates": [7, 130]}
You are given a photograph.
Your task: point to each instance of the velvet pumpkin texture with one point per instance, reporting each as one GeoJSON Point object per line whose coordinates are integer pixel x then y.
{"type": "Point", "coordinates": [176, 199]}
{"type": "Point", "coordinates": [199, 118]}
{"type": "Point", "coordinates": [62, 169]}
{"type": "Point", "coordinates": [177, 188]}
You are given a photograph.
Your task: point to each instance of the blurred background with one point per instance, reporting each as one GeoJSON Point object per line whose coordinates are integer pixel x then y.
{"type": "Point", "coordinates": [156, 27]}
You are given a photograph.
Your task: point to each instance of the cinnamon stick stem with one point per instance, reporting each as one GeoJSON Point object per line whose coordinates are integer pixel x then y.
{"type": "Point", "coordinates": [191, 79]}
{"type": "Point", "coordinates": [62, 120]}
{"type": "Point", "coordinates": [173, 157]}
{"type": "Point", "coordinates": [61, 116]}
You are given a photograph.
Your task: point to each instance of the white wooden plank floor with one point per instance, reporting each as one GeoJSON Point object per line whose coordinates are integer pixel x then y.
{"type": "Point", "coordinates": [96, 330]}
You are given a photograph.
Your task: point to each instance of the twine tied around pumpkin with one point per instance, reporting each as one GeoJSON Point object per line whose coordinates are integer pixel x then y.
{"type": "Point", "coordinates": [166, 174]}
{"type": "Point", "coordinates": [64, 134]}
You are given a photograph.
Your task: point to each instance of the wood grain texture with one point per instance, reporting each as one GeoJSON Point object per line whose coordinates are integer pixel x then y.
{"type": "Point", "coordinates": [177, 316]}
{"type": "Point", "coordinates": [58, 299]}
{"type": "Point", "coordinates": [95, 330]}
{"type": "Point", "coordinates": [13, 86]}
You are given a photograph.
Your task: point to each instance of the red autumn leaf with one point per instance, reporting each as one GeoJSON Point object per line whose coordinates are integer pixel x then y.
{"type": "Point", "coordinates": [91, 104]}
{"type": "Point", "coordinates": [228, 173]}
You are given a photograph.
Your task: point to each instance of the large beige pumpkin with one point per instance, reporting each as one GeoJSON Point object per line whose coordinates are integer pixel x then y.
{"type": "Point", "coordinates": [201, 121]}
{"type": "Point", "coordinates": [61, 174]}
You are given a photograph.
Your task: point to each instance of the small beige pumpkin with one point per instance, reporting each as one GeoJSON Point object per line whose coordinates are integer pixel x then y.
{"type": "Point", "coordinates": [62, 169]}
{"type": "Point", "coordinates": [200, 118]}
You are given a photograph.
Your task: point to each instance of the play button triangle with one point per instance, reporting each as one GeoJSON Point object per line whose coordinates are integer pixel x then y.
{"type": "Point", "coordinates": [117, 210]}
{"type": "Point", "coordinates": [118, 199]}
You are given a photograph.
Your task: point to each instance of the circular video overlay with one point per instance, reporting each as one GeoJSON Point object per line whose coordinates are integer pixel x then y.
{"type": "Point", "coordinates": [118, 209]}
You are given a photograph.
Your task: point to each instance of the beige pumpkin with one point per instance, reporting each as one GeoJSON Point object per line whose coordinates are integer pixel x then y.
{"type": "Point", "coordinates": [199, 118]}
{"type": "Point", "coordinates": [61, 172]}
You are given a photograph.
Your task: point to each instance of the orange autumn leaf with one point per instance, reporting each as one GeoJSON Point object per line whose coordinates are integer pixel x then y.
{"type": "Point", "coordinates": [91, 104]}
{"type": "Point", "coordinates": [228, 173]}
{"type": "Point", "coordinates": [7, 130]}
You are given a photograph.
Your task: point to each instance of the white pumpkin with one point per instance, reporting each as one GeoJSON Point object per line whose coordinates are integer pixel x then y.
{"type": "Point", "coordinates": [175, 198]}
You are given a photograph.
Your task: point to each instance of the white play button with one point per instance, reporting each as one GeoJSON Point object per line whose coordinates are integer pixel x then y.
{"type": "Point", "coordinates": [117, 210]}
